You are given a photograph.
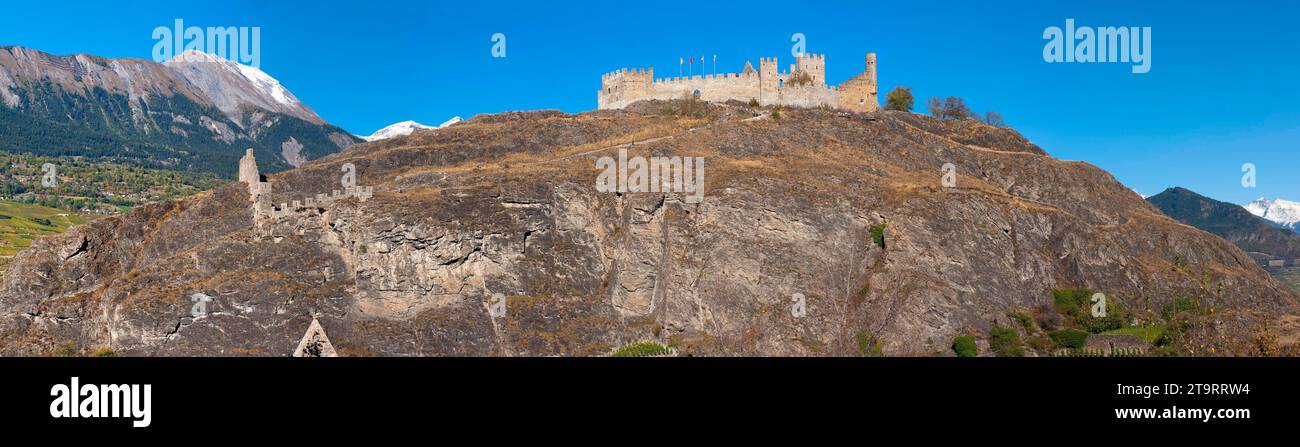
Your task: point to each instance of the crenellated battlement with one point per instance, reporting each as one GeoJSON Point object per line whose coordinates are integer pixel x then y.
{"type": "Point", "coordinates": [628, 72]}
{"type": "Point", "coordinates": [802, 85]}
{"type": "Point", "coordinates": [266, 215]}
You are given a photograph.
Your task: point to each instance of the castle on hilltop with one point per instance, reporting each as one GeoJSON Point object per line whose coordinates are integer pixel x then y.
{"type": "Point", "coordinates": [803, 86]}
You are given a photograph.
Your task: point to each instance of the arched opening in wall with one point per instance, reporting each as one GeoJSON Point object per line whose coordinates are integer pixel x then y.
{"type": "Point", "coordinates": [780, 83]}
{"type": "Point", "coordinates": [696, 93]}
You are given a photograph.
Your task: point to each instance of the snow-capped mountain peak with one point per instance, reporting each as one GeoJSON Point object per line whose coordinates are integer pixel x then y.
{"type": "Point", "coordinates": [1282, 212]}
{"type": "Point", "coordinates": [232, 85]}
{"type": "Point", "coordinates": [406, 128]}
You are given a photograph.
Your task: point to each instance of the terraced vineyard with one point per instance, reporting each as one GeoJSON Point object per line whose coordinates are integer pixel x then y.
{"type": "Point", "coordinates": [22, 223]}
{"type": "Point", "coordinates": [1289, 276]}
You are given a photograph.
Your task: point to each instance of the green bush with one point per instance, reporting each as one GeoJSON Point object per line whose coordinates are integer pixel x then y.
{"type": "Point", "coordinates": [1069, 338]}
{"type": "Point", "coordinates": [878, 234]}
{"type": "Point", "coordinates": [1041, 343]}
{"type": "Point", "coordinates": [1151, 333]}
{"type": "Point", "coordinates": [1181, 305]}
{"type": "Point", "coordinates": [1025, 321]}
{"type": "Point", "coordinates": [1077, 304]}
{"type": "Point", "coordinates": [868, 345]}
{"type": "Point", "coordinates": [965, 346]}
{"type": "Point", "coordinates": [1005, 342]}
{"type": "Point", "coordinates": [1068, 301]}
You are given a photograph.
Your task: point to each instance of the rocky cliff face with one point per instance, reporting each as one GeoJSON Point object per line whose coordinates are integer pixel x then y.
{"type": "Point", "coordinates": [507, 204]}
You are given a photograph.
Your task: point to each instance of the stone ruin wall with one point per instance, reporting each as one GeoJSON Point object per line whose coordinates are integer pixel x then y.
{"type": "Point", "coordinates": [628, 86]}
{"type": "Point", "coordinates": [266, 213]}
{"type": "Point", "coordinates": [804, 96]}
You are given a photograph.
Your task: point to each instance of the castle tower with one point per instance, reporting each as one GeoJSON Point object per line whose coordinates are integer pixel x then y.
{"type": "Point", "coordinates": [248, 169]}
{"type": "Point", "coordinates": [624, 86]}
{"type": "Point", "coordinates": [257, 189]}
{"type": "Point", "coordinates": [767, 80]}
{"type": "Point", "coordinates": [871, 70]}
{"type": "Point", "coordinates": [858, 94]}
{"type": "Point", "coordinates": [814, 65]}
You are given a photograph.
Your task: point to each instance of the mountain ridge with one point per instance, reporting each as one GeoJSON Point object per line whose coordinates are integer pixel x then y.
{"type": "Point", "coordinates": [142, 112]}
{"type": "Point", "coordinates": [1230, 221]}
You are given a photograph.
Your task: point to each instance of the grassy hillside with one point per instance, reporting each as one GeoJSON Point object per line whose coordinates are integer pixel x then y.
{"type": "Point", "coordinates": [22, 223]}
{"type": "Point", "coordinates": [85, 190]}
{"type": "Point", "coordinates": [95, 187]}
{"type": "Point", "coordinates": [1289, 276]}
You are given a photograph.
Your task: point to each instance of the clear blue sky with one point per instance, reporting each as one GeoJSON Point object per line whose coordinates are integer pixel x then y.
{"type": "Point", "coordinates": [1222, 90]}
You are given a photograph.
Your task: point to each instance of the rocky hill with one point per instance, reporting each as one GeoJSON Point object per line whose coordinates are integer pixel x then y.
{"type": "Point", "coordinates": [844, 209]}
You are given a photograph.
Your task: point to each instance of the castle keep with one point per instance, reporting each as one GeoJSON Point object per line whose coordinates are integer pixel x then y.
{"type": "Point", "coordinates": [803, 86]}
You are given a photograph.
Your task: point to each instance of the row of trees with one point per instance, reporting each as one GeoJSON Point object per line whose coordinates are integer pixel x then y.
{"type": "Point", "coordinates": [953, 107]}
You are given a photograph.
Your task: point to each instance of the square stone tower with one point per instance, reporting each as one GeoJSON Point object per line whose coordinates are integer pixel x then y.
{"type": "Point", "coordinates": [248, 169]}
{"type": "Point", "coordinates": [858, 94]}
{"type": "Point", "coordinates": [767, 80]}
{"type": "Point", "coordinates": [814, 65]}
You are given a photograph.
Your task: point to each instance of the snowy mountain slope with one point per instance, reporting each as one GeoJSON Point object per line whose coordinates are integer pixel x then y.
{"type": "Point", "coordinates": [232, 86]}
{"type": "Point", "coordinates": [1282, 212]}
{"type": "Point", "coordinates": [406, 128]}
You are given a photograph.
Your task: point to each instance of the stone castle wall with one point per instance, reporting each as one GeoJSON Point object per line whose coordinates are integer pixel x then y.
{"type": "Point", "coordinates": [804, 85]}
{"type": "Point", "coordinates": [265, 212]}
